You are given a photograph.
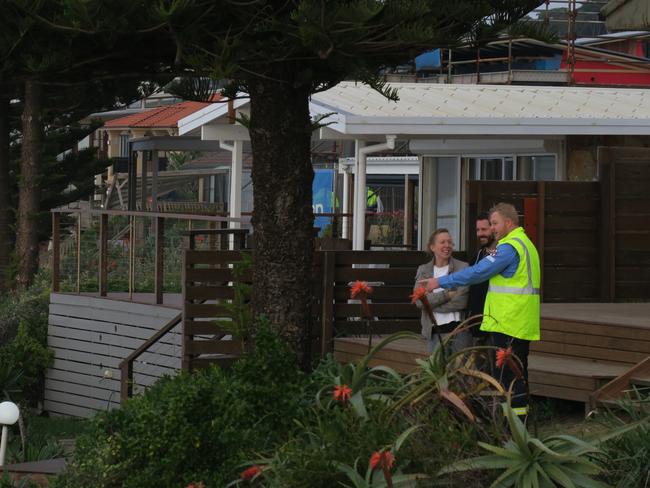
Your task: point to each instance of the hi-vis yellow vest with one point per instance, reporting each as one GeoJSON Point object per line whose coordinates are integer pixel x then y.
{"type": "Point", "coordinates": [512, 304]}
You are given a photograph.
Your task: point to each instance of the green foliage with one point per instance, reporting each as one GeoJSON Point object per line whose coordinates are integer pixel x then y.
{"type": "Point", "coordinates": [24, 355]}
{"type": "Point", "coordinates": [240, 311]}
{"type": "Point", "coordinates": [29, 355]}
{"type": "Point", "coordinates": [193, 427]}
{"type": "Point", "coordinates": [527, 462]}
{"type": "Point", "coordinates": [7, 482]}
{"type": "Point", "coordinates": [29, 307]}
{"type": "Point", "coordinates": [626, 460]}
{"type": "Point", "coordinates": [326, 438]}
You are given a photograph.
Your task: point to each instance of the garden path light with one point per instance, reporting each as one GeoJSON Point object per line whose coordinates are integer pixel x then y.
{"type": "Point", "coordinates": [8, 416]}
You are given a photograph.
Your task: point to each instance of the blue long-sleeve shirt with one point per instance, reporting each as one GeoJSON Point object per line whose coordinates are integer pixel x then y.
{"type": "Point", "coordinates": [505, 261]}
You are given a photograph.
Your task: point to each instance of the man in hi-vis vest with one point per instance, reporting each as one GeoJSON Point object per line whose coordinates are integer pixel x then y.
{"type": "Point", "coordinates": [511, 313]}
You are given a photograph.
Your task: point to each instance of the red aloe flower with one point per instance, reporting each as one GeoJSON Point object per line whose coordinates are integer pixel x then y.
{"type": "Point", "coordinates": [342, 393]}
{"type": "Point", "coordinates": [420, 295]}
{"type": "Point", "coordinates": [505, 357]}
{"type": "Point", "coordinates": [382, 460]}
{"type": "Point", "coordinates": [250, 473]}
{"type": "Point", "coordinates": [361, 290]}
{"type": "Point", "coordinates": [360, 287]}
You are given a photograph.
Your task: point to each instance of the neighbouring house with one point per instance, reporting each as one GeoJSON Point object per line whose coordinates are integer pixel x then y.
{"type": "Point", "coordinates": [626, 14]}
{"type": "Point", "coordinates": [617, 59]}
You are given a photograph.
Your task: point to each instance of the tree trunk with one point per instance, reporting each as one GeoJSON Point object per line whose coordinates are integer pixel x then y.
{"type": "Point", "coordinates": [5, 201]}
{"type": "Point", "coordinates": [29, 185]}
{"type": "Point", "coordinates": [280, 130]}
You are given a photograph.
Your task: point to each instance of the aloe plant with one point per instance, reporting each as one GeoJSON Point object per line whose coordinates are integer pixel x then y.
{"type": "Point", "coordinates": [440, 375]}
{"type": "Point", "coordinates": [380, 476]}
{"type": "Point", "coordinates": [529, 462]}
{"type": "Point", "coordinates": [358, 375]}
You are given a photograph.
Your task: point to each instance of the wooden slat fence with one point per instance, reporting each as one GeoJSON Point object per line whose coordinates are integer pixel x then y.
{"type": "Point", "coordinates": [562, 218]}
{"type": "Point", "coordinates": [90, 337]}
{"type": "Point", "coordinates": [625, 177]}
{"type": "Point", "coordinates": [392, 276]}
{"type": "Point", "coordinates": [207, 288]}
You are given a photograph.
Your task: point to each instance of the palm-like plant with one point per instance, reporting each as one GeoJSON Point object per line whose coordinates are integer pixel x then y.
{"type": "Point", "coordinates": [529, 462]}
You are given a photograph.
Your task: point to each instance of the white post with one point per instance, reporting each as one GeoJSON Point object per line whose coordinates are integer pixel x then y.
{"type": "Point", "coordinates": [236, 170]}
{"type": "Point", "coordinates": [358, 144]}
{"type": "Point", "coordinates": [3, 445]}
{"type": "Point", "coordinates": [361, 200]}
{"type": "Point", "coordinates": [9, 414]}
{"type": "Point", "coordinates": [361, 196]}
{"type": "Point", "coordinates": [346, 201]}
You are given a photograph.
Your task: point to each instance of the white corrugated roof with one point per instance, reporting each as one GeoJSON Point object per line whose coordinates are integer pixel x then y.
{"type": "Point", "coordinates": [428, 109]}
{"type": "Point", "coordinates": [496, 109]}
{"type": "Point", "coordinates": [446, 100]}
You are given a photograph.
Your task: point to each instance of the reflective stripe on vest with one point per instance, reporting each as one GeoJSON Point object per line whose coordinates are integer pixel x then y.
{"type": "Point", "coordinates": [513, 290]}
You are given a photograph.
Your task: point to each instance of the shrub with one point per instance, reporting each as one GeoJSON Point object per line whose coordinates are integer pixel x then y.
{"type": "Point", "coordinates": [192, 428]}
{"type": "Point", "coordinates": [626, 459]}
{"type": "Point", "coordinates": [24, 355]}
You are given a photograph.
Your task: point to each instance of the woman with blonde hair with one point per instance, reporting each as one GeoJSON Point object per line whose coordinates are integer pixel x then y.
{"type": "Point", "coordinates": [448, 306]}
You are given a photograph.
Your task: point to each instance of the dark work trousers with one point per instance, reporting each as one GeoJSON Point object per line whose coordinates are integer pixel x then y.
{"type": "Point", "coordinates": [505, 376]}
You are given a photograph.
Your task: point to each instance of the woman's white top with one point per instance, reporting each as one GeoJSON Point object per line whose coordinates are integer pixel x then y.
{"type": "Point", "coordinates": [443, 317]}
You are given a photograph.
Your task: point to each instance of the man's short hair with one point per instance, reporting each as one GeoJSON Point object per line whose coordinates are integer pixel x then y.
{"type": "Point", "coordinates": [483, 216]}
{"type": "Point", "coordinates": [507, 211]}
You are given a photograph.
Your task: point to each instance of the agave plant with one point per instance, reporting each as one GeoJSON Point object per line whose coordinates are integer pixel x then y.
{"type": "Point", "coordinates": [529, 462]}
{"type": "Point", "coordinates": [358, 381]}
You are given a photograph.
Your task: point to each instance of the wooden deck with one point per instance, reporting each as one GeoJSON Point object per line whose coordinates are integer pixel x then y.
{"type": "Point", "coordinates": [583, 346]}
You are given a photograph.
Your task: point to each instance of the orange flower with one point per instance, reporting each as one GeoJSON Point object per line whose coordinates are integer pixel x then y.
{"type": "Point", "coordinates": [505, 357]}
{"type": "Point", "coordinates": [502, 356]}
{"type": "Point", "coordinates": [382, 459]}
{"type": "Point", "coordinates": [360, 287]}
{"type": "Point", "coordinates": [196, 485]}
{"type": "Point", "coordinates": [419, 293]}
{"type": "Point", "coordinates": [250, 473]}
{"type": "Point", "coordinates": [342, 393]}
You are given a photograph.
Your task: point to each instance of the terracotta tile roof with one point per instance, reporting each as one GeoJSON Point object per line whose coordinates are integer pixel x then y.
{"type": "Point", "coordinates": [167, 116]}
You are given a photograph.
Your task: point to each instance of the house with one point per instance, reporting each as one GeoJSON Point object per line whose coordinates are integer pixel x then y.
{"type": "Point", "coordinates": [619, 59]}
{"type": "Point", "coordinates": [626, 14]}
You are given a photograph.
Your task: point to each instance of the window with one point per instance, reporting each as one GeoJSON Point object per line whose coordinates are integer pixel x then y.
{"type": "Point", "coordinates": [536, 168]}
{"type": "Point", "coordinates": [492, 168]}
{"type": "Point", "coordinates": [124, 145]}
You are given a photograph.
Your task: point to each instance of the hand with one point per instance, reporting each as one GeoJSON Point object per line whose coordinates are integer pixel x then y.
{"type": "Point", "coordinates": [430, 284]}
{"type": "Point", "coordinates": [452, 293]}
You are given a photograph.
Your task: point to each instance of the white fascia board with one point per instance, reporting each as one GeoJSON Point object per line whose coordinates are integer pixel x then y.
{"type": "Point", "coordinates": [224, 132]}
{"type": "Point", "coordinates": [207, 115]}
{"type": "Point", "coordinates": [477, 144]}
{"type": "Point", "coordinates": [400, 165]}
{"type": "Point", "coordinates": [410, 126]}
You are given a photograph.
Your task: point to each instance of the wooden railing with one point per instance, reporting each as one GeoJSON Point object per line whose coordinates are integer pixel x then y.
{"type": "Point", "coordinates": [159, 219]}
{"type": "Point", "coordinates": [126, 366]}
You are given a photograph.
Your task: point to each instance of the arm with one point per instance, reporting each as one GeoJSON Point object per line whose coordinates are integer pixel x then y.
{"type": "Point", "coordinates": [435, 299]}
{"type": "Point", "coordinates": [486, 268]}
{"type": "Point", "coordinates": [457, 303]}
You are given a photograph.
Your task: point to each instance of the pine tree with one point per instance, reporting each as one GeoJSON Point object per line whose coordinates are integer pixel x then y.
{"type": "Point", "coordinates": [279, 53]}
